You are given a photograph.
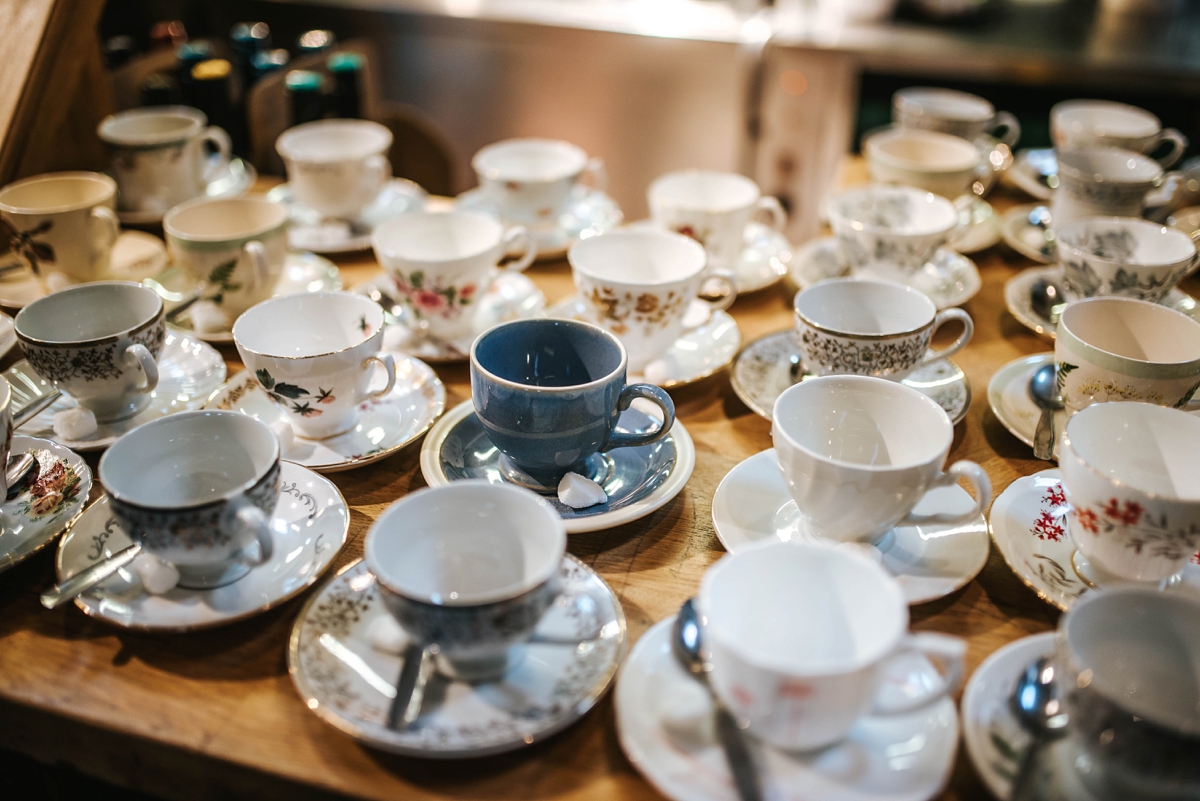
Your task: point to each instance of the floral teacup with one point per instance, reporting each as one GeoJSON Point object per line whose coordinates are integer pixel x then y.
{"type": "Point", "coordinates": [890, 232]}
{"type": "Point", "coordinates": [1123, 256]}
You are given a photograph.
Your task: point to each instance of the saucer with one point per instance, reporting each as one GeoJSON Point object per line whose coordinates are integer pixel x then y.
{"type": "Point", "coordinates": [1029, 526]}
{"type": "Point", "coordinates": [897, 758]}
{"type": "Point", "coordinates": [511, 296]}
{"type": "Point", "coordinates": [235, 179]}
{"type": "Point", "coordinates": [31, 522]}
{"type": "Point", "coordinates": [309, 232]}
{"type": "Point", "coordinates": [1008, 395]}
{"type": "Point", "coordinates": [752, 503]}
{"type": "Point", "coordinates": [8, 334]}
{"type": "Point", "coordinates": [949, 279]}
{"type": "Point", "coordinates": [1035, 172]}
{"type": "Point", "coordinates": [587, 212]}
{"type": "Point", "coordinates": [639, 480]}
{"type": "Point", "coordinates": [350, 684]}
{"type": "Point", "coordinates": [1026, 238]}
{"type": "Point", "coordinates": [188, 371]}
{"type": "Point", "coordinates": [310, 525]}
{"type": "Point", "coordinates": [765, 257]}
{"type": "Point", "coordinates": [701, 351]}
{"type": "Point", "coordinates": [771, 364]}
{"type": "Point", "coordinates": [384, 426]}
{"type": "Point", "coordinates": [983, 230]}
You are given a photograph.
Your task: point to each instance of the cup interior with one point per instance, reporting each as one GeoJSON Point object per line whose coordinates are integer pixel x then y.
{"type": "Point", "coordinates": [548, 353]}
{"type": "Point", "coordinates": [334, 140]}
{"type": "Point", "coordinates": [466, 544]}
{"type": "Point", "coordinates": [948, 104]}
{"type": "Point", "coordinates": [1105, 118]}
{"type": "Point", "coordinates": [1109, 165]}
{"type": "Point", "coordinates": [894, 209]}
{"type": "Point", "coordinates": [88, 312]}
{"type": "Point", "coordinates": [927, 151]}
{"type": "Point", "coordinates": [864, 308]}
{"type": "Point", "coordinates": [1128, 240]}
{"type": "Point", "coordinates": [701, 190]}
{"type": "Point", "coordinates": [438, 236]}
{"type": "Point", "coordinates": [530, 160]}
{"type": "Point", "coordinates": [45, 194]}
{"type": "Point", "coordinates": [1134, 329]}
{"type": "Point", "coordinates": [224, 219]}
{"type": "Point", "coordinates": [1143, 446]}
{"type": "Point", "coordinates": [640, 258]}
{"type": "Point", "coordinates": [299, 326]}
{"type": "Point", "coordinates": [148, 126]}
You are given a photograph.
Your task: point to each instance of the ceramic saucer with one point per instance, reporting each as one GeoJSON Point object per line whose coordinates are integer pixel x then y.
{"type": "Point", "coordinates": [310, 232]}
{"type": "Point", "coordinates": [587, 212]}
{"type": "Point", "coordinates": [1026, 238]}
{"type": "Point", "coordinates": [949, 279]}
{"type": "Point", "coordinates": [510, 296]}
{"type": "Point", "coordinates": [350, 684]}
{"type": "Point", "coordinates": [704, 348]}
{"type": "Point", "coordinates": [310, 525]}
{"type": "Point", "coordinates": [8, 334]}
{"type": "Point", "coordinates": [188, 371]}
{"type": "Point", "coordinates": [752, 503]}
{"type": "Point", "coordinates": [1035, 172]}
{"type": "Point", "coordinates": [765, 257]}
{"type": "Point", "coordinates": [235, 179]}
{"type": "Point", "coordinates": [1008, 395]}
{"type": "Point", "coordinates": [771, 364]}
{"type": "Point", "coordinates": [638, 481]}
{"type": "Point", "coordinates": [899, 758]}
{"type": "Point", "coordinates": [983, 228]}
{"type": "Point", "coordinates": [384, 427]}
{"type": "Point", "coordinates": [48, 505]}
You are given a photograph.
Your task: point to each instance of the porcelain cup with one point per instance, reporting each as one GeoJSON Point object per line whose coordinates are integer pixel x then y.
{"type": "Point", "coordinates": [936, 162]}
{"type": "Point", "coordinates": [863, 327]}
{"type": "Point", "coordinates": [468, 569]}
{"type": "Point", "coordinates": [890, 232]}
{"type": "Point", "coordinates": [98, 343]}
{"type": "Point", "coordinates": [197, 489]}
{"type": "Point", "coordinates": [950, 111]}
{"type": "Point", "coordinates": [804, 639]}
{"type": "Point", "coordinates": [443, 263]}
{"type": "Point", "coordinates": [1103, 182]}
{"type": "Point", "coordinates": [1123, 256]}
{"type": "Point", "coordinates": [549, 394]}
{"type": "Point", "coordinates": [1186, 220]}
{"type": "Point", "coordinates": [160, 155]}
{"type": "Point", "coordinates": [713, 208]}
{"type": "Point", "coordinates": [336, 167]}
{"type": "Point", "coordinates": [315, 355]}
{"type": "Point", "coordinates": [858, 453]}
{"type": "Point", "coordinates": [639, 285]}
{"type": "Point", "coordinates": [531, 179]}
{"type": "Point", "coordinates": [1121, 349]}
{"type": "Point", "coordinates": [234, 248]}
{"type": "Point", "coordinates": [63, 224]}
{"type": "Point", "coordinates": [1077, 124]}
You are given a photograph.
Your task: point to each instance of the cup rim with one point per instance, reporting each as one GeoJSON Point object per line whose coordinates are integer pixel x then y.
{"type": "Point", "coordinates": [281, 143]}
{"type": "Point", "coordinates": [46, 177]}
{"type": "Point", "coordinates": [835, 215]}
{"type": "Point", "coordinates": [1149, 226]}
{"type": "Point", "coordinates": [656, 186]}
{"type": "Point", "coordinates": [1081, 175]}
{"type": "Point", "coordinates": [259, 309]}
{"type": "Point", "coordinates": [388, 226]}
{"type": "Point", "coordinates": [1082, 103]}
{"type": "Point", "coordinates": [492, 174]}
{"type": "Point", "coordinates": [910, 291]}
{"type": "Point", "coordinates": [595, 382]}
{"type": "Point", "coordinates": [1143, 368]}
{"type": "Point", "coordinates": [224, 239]}
{"type": "Point", "coordinates": [873, 141]}
{"type": "Point", "coordinates": [74, 344]}
{"type": "Point", "coordinates": [197, 118]}
{"type": "Point", "coordinates": [908, 94]}
{"type": "Point", "coordinates": [695, 250]}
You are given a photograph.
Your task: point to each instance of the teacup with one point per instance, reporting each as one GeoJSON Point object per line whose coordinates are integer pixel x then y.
{"type": "Point", "coordinates": [159, 155]}
{"type": "Point", "coordinates": [713, 208]}
{"type": "Point", "coordinates": [549, 394]}
{"type": "Point", "coordinates": [197, 489]}
{"type": "Point", "coordinates": [864, 327]}
{"type": "Point", "coordinates": [234, 248]}
{"type": "Point", "coordinates": [936, 162]}
{"type": "Point", "coordinates": [1103, 182]}
{"type": "Point", "coordinates": [443, 262]}
{"type": "Point", "coordinates": [63, 224]}
{"type": "Point", "coordinates": [890, 232]}
{"type": "Point", "coordinates": [953, 112]}
{"type": "Point", "coordinates": [98, 343]}
{"type": "Point", "coordinates": [336, 167]}
{"type": "Point", "coordinates": [1076, 124]}
{"type": "Point", "coordinates": [315, 356]}
{"type": "Point", "coordinates": [803, 640]}
{"type": "Point", "coordinates": [531, 179]}
{"type": "Point", "coordinates": [639, 284]}
{"type": "Point", "coordinates": [468, 569]}
{"type": "Point", "coordinates": [1123, 256]}
{"type": "Point", "coordinates": [858, 453]}
{"type": "Point", "coordinates": [1121, 349]}
{"type": "Point", "coordinates": [1186, 220]}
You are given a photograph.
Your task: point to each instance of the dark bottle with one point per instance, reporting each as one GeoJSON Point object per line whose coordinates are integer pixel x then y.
{"type": "Point", "coordinates": [118, 50]}
{"type": "Point", "coordinates": [313, 42]}
{"type": "Point", "coordinates": [248, 39]}
{"type": "Point", "coordinates": [190, 54]}
{"type": "Point", "coordinates": [160, 89]}
{"type": "Point", "coordinates": [211, 85]}
{"type": "Point", "coordinates": [307, 102]}
{"type": "Point", "coordinates": [269, 61]}
{"type": "Point", "coordinates": [167, 35]}
{"type": "Point", "coordinates": [347, 72]}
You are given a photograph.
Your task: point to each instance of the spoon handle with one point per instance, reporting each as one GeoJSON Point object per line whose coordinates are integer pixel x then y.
{"type": "Point", "coordinates": [737, 754]}
{"type": "Point", "coordinates": [410, 687]}
{"type": "Point", "coordinates": [1043, 436]}
{"type": "Point", "coordinates": [84, 580]}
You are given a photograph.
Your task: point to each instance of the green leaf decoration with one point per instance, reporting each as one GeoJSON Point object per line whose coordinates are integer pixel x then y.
{"type": "Point", "coordinates": [221, 274]}
{"type": "Point", "coordinates": [264, 378]}
{"type": "Point", "coordinates": [290, 391]}
{"type": "Point", "coordinates": [305, 410]}
{"type": "Point", "coordinates": [417, 279]}
{"type": "Point", "coordinates": [1064, 370]}
{"type": "Point", "coordinates": [1004, 747]}
{"type": "Point", "coordinates": [1186, 399]}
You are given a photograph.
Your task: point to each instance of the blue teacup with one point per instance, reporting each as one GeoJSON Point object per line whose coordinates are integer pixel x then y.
{"type": "Point", "coordinates": [549, 394]}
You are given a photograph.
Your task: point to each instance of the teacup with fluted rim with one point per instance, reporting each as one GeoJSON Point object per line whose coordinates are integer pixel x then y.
{"type": "Point", "coordinates": [1125, 256]}
{"type": "Point", "coordinates": [890, 232]}
{"type": "Point", "coordinates": [530, 180]}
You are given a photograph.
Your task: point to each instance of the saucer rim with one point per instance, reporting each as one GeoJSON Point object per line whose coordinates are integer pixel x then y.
{"type": "Point", "coordinates": [359, 244]}
{"type": "Point", "coordinates": [779, 273]}
{"type": "Point", "coordinates": [139, 218]}
{"type": "Point", "coordinates": [557, 253]}
{"type": "Point", "coordinates": [60, 534]}
{"type": "Point", "coordinates": [995, 391]}
{"type": "Point", "coordinates": [1008, 222]}
{"type": "Point", "coordinates": [1014, 488]}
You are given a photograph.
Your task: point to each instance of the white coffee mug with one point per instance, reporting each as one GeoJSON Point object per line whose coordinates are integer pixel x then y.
{"type": "Point", "coordinates": [1103, 182]}
{"type": "Point", "coordinates": [531, 179]}
{"type": "Point", "coordinates": [1076, 124]}
{"type": "Point", "coordinates": [953, 112]}
{"type": "Point", "coordinates": [336, 167]}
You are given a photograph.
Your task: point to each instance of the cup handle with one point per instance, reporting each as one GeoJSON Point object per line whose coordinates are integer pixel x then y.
{"type": "Point", "coordinates": [770, 205]}
{"type": "Point", "coordinates": [983, 495]}
{"type": "Point", "coordinates": [728, 290]}
{"type": "Point", "coordinates": [111, 225]}
{"type": "Point", "coordinates": [389, 365]}
{"type": "Point", "coordinates": [380, 171]}
{"type": "Point", "coordinates": [1012, 128]}
{"type": "Point", "coordinates": [1178, 143]}
{"type": "Point", "coordinates": [943, 317]}
{"type": "Point", "coordinates": [260, 272]}
{"type": "Point", "coordinates": [950, 651]}
{"type": "Point", "coordinates": [247, 516]}
{"type": "Point", "coordinates": [145, 359]}
{"type": "Point", "coordinates": [218, 161]}
{"type": "Point", "coordinates": [518, 238]}
{"type": "Point", "coordinates": [596, 172]}
{"type": "Point", "coordinates": [651, 393]}
{"type": "Point", "coordinates": [1162, 198]}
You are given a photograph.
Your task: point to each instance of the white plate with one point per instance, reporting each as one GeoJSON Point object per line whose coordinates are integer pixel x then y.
{"type": "Point", "coordinates": [587, 212]}
{"type": "Point", "coordinates": [309, 232]}
{"type": "Point", "coordinates": [32, 521]}
{"type": "Point", "coordinates": [235, 180]}
{"type": "Point", "coordinates": [1024, 237]}
{"type": "Point", "coordinates": [764, 259]}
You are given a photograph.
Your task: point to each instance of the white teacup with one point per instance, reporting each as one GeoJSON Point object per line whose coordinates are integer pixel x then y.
{"type": "Point", "coordinates": [862, 327]}
{"type": "Point", "coordinates": [531, 179]}
{"type": "Point", "coordinates": [315, 355]}
{"type": "Point", "coordinates": [1123, 256]}
{"type": "Point", "coordinates": [1103, 182]}
{"type": "Point", "coordinates": [234, 248]}
{"type": "Point", "coordinates": [713, 208]}
{"type": "Point", "coordinates": [443, 262]}
{"type": "Point", "coordinates": [63, 223]}
{"type": "Point", "coordinates": [1076, 124]}
{"type": "Point", "coordinates": [639, 285]}
{"type": "Point", "coordinates": [804, 638]}
{"type": "Point", "coordinates": [159, 155]}
{"type": "Point", "coordinates": [858, 453]}
{"type": "Point", "coordinates": [336, 167]}
{"type": "Point", "coordinates": [953, 112]}
{"type": "Point", "coordinates": [890, 232]}
{"type": "Point", "coordinates": [936, 162]}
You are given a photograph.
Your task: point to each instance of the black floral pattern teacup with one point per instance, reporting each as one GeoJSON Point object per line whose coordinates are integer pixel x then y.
{"type": "Point", "coordinates": [1124, 256]}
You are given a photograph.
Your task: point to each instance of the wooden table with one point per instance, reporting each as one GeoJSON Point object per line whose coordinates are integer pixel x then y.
{"type": "Point", "coordinates": [214, 714]}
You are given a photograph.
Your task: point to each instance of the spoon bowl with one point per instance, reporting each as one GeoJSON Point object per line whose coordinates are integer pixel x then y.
{"type": "Point", "coordinates": [1043, 391]}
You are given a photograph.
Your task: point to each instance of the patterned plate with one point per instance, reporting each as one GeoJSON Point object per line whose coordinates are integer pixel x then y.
{"type": "Point", "coordinates": [48, 505]}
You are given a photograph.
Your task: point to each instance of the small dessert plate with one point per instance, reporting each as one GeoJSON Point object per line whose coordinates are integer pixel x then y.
{"type": "Point", "coordinates": [983, 228]}
{"type": "Point", "coordinates": [587, 212]}
{"type": "Point", "coordinates": [385, 425]}
{"type": "Point", "coordinates": [949, 279]}
{"type": "Point", "coordinates": [8, 334]}
{"type": "Point", "coordinates": [47, 505]}
{"type": "Point", "coordinates": [233, 180]}
{"type": "Point", "coordinates": [1008, 395]}
{"type": "Point", "coordinates": [1035, 172]}
{"type": "Point", "coordinates": [188, 372]}
{"type": "Point", "coordinates": [1026, 237]}
{"type": "Point", "coordinates": [664, 726]}
{"type": "Point", "coordinates": [553, 683]}
{"type": "Point", "coordinates": [930, 561]}
{"type": "Point", "coordinates": [702, 350]}
{"type": "Point", "coordinates": [637, 480]}
{"type": "Point", "coordinates": [771, 364]}
{"type": "Point", "coordinates": [765, 257]}
{"type": "Point", "coordinates": [310, 232]}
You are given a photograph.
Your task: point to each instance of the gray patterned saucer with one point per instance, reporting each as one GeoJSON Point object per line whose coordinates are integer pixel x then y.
{"type": "Point", "coordinates": [46, 507]}
{"type": "Point", "coordinates": [637, 480]}
{"type": "Point", "coordinates": [350, 684]}
{"type": "Point", "coordinates": [771, 364]}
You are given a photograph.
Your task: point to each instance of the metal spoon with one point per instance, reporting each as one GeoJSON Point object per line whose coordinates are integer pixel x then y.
{"type": "Point", "coordinates": [685, 647]}
{"type": "Point", "coordinates": [84, 580]}
{"type": "Point", "coordinates": [1043, 390]}
{"type": "Point", "coordinates": [1047, 300]}
{"type": "Point", "coordinates": [18, 467]}
{"type": "Point", "coordinates": [1039, 218]}
{"type": "Point", "coordinates": [1037, 704]}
